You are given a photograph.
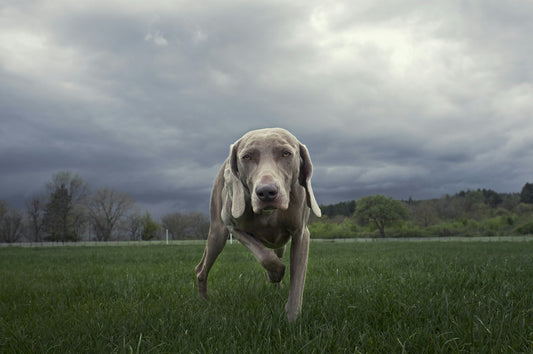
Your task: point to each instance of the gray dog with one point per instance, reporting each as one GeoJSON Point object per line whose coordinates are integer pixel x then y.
{"type": "Point", "coordinates": [263, 196]}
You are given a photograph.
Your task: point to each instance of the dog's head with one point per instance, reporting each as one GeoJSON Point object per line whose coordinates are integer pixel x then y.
{"type": "Point", "coordinates": [264, 165]}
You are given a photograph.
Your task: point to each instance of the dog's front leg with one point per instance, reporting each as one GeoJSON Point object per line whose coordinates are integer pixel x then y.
{"type": "Point", "coordinates": [266, 257]}
{"type": "Point", "coordinates": [299, 252]}
{"type": "Point", "coordinates": [216, 240]}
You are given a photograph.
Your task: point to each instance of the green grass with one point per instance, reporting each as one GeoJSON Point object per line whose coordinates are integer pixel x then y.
{"type": "Point", "coordinates": [367, 297]}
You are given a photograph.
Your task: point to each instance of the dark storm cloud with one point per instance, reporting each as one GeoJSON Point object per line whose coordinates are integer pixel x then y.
{"type": "Point", "coordinates": [413, 99]}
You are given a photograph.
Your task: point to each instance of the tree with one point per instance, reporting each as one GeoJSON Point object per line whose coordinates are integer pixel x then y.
{"type": "Point", "coordinates": [149, 227]}
{"type": "Point", "coordinates": [64, 211]}
{"type": "Point", "coordinates": [56, 217]}
{"type": "Point", "coordinates": [492, 198]}
{"type": "Point", "coordinates": [380, 210]}
{"type": "Point", "coordinates": [198, 226]}
{"type": "Point", "coordinates": [510, 200]}
{"type": "Point", "coordinates": [183, 226]}
{"type": "Point", "coordinates": [11, 225]}
{"type": "Point", "coordinates": [35, 212]}
{"type": "Point", "coordinates": [424, 212]}
{"type": "Point", "coordinates": [343, 208]}
{"type": "Point", "coordinates": [451, 207]}
{"type": "Point", "coordinates": [77, 188]}
{"type": "Point", "coordinates": [106, 208]}
{"type": "Point", "coordinates": [132, 225]}
{"type": "Point", "coordinates": [526, 195]}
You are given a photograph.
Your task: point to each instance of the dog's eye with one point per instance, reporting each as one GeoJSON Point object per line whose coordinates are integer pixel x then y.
{"type": "Point", "coordinates": [247, 157]}
{"type": "Point", "coordinates": [286, 154]}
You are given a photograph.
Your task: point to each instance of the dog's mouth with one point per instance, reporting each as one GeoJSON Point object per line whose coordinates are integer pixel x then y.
{"type": "Point", "coordinates": [268, 210]}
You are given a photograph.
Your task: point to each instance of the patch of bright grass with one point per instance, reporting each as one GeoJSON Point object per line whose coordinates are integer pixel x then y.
{"type": "Point", "coordinates": [368, 297]}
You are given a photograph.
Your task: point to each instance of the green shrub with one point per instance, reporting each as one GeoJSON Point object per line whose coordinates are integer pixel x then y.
{"type": "Point", "coordinates": [525, 229]}
{"type": "Point", "coordinates": [499, 225]}
{"type": "Point", "coordinates": [329, 229]}
{"type": "Point", "coordinates": [445, 229]}
{"type": "Point", "coordinates": [406, 230]}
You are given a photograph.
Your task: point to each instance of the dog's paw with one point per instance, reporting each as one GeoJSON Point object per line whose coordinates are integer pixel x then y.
{"type": "Point", "coordinates": [275, 276]}
{"type": "Point", "coordinates": [292, 312]}
{"type": "Point", "coordinates": [292, 316]}
{"type": "Point", "coordinates": [202, 289]}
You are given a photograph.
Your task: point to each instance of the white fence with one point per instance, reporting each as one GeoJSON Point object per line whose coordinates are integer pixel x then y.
{"type": "Point", "coordinates": [337, 240]}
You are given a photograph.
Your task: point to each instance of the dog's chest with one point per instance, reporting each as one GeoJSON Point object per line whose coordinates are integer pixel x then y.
{"type": "Point", "coordinates": [271, 229]}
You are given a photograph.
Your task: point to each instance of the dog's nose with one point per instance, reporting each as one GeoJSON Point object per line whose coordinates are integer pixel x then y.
{"type": "Point", "coordinates": [266, 192]}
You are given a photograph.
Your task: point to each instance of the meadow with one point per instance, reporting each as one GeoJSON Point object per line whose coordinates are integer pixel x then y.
{"type": "Point", "coordinates": [360, 297]}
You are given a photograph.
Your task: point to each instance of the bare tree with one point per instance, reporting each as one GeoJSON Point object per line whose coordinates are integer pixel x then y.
{"type": "Point", "coordinates": [11, 224]}
{"type": "Point", "coordinates": [424, 213]}
{"type": "Point", "coordinates": [106, 208]}
{"type": "Point", "coordinates": [449, 207]}
{"type": "Point", "coordinates": [182, 226]}
{"type": "Point", "coordinates": [198, 225]}
{"type": "Point", "coordinates": [175, 224]}
{"type": "Point", "coordinates": [132, 224]}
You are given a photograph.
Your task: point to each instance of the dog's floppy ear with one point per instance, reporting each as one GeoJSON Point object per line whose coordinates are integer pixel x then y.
{"type": "Point", "coordinates": [234, 185]}
{"type": "Point", "coordinates": [306, 171]}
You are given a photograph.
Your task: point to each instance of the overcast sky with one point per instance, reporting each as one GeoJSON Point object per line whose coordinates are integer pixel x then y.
{"type": "Point", "coordinates": [403, 98]}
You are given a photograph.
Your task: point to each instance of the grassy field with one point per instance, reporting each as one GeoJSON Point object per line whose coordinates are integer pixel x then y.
{"type": "Point", "coordinates": [359, 297]}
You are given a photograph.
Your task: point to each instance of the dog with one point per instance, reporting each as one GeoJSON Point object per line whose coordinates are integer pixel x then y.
{"type": "Point", "coordinates": [262, 195]}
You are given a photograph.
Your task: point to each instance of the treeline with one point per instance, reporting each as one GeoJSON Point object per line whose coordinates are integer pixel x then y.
{"type": "Point", "coordinates": [481, 212]}
{"type": "Point", "coordinates": [68, 211]}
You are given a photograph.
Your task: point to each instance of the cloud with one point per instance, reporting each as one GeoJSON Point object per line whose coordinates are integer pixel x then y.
{"type": "Point", "coordinates": [157, 38]}
{"type": "Point", "coordinates": [413, 99]}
